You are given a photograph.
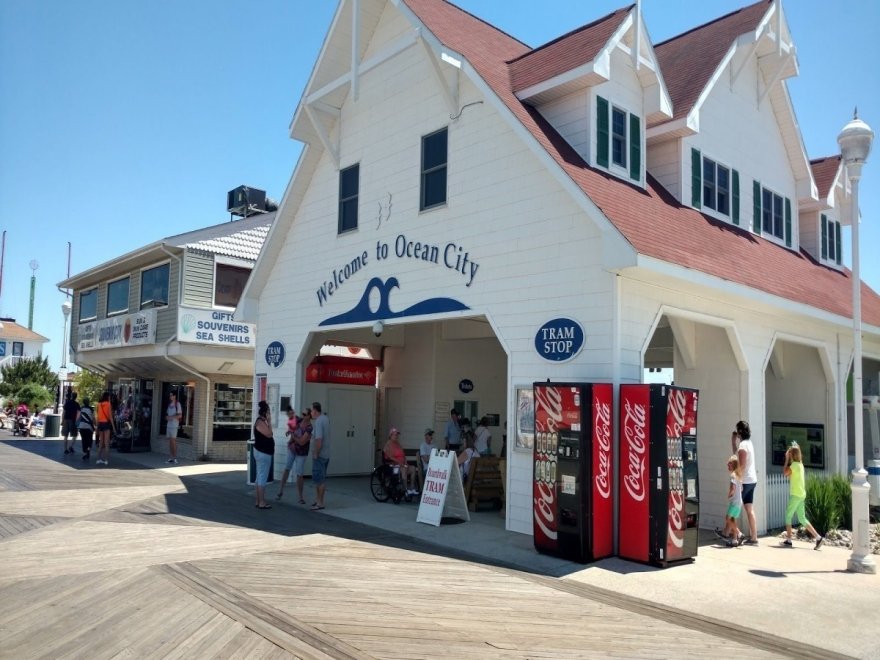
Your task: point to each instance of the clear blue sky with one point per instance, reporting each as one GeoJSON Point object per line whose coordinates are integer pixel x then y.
{"type": "Point", "coordinates": [123, 122]}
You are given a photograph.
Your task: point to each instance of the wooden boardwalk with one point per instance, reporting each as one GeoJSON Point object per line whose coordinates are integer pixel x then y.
{"type": "Point", "coordinates": [122, 562]}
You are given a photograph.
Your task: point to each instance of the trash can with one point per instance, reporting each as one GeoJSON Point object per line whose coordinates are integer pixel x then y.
{"type": "Point", "coordinates": [252, 466]}
{"type": "Point", "coordinates": [874, 482]}
{"type": "Point", "coordinates": [52, 426]}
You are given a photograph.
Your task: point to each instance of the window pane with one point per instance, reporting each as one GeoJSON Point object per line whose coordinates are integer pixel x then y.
{"type": "Point", "coordinates": [778, 228]}
{"type": "Point", "coordinates": [154, 286]}
{"type": "Point", "coordinates": [434, 188]}
{"type": "Point", "coordinates": [723, 187]}
{"type": "Point", "coordinates": [18, 348]}
{"type": "Point", "coordinates": [348, 215]}
{"type": "Point", "coordinates": [618, 137]}
{"type": "Point", "coordinates": [434, 150]}
{"type": "Point", "coordinates": [829, 229]}
{"type": "Point", "coordinates": [348, 182]}
{"type": "Point", "coordinates": [117, 296]}
{"type": "Point", "coordinates": [767, 211]}
{"type": "Point", "coordinates": [348, 198]}
{"type": "Point", "coordinates": [229, 284]}
{"type": "Point", "coordinates": [88, 305]}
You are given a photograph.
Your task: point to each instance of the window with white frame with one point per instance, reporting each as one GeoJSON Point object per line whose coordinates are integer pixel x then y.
{"type": "Point", "coordinates": [117, 297]}
{"type": "Point", "coordinates": [618, 140]}
{"type": "Point", "coordinates": [88, 305]}
{"type": "Point", "coordinates": [434, 159]}
{"type": "Point", "coordinates": [772, 214]}
{"type": "Point", "coordinates": [716, 186]}
{"type": "Point", "coordinates": [831, 244]}
{"type": "Point", "coordinates": [349, 181]}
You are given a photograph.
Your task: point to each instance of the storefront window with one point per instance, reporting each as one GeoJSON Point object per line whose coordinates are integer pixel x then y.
{"type": "Point", "coordinates": [232, 412]}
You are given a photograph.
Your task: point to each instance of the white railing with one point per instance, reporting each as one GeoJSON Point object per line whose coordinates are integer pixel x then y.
{"type": "Point", "coordinates": [777, 497]}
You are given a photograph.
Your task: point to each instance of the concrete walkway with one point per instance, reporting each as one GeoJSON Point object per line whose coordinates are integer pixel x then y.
{"type": "Point", "coordinates": [796, 602]}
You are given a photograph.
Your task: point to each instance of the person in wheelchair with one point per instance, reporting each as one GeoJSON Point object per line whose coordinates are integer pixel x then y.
{"type": "Point", "coordinates": [393, 455]}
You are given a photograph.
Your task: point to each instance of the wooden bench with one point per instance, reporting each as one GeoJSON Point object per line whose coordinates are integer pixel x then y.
{"type": "Point", "coordinates": [484, 482]}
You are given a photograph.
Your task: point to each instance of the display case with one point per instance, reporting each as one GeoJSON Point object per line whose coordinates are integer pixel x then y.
{"type": "Point", "coordinates": [233, 407]}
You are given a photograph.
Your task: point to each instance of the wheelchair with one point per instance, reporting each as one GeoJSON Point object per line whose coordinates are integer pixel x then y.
{"type": "Point", "coordinates": [386, 483]}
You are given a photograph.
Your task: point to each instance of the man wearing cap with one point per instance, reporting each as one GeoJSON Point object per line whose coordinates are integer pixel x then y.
{"type": "Point", "coordinates": [425, 449]}
{"type": "Point", "coordinates": [452, 435]}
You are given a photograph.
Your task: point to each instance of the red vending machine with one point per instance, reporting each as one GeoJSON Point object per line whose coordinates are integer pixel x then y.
{"type": "Point", "coordinates": [659, 489]}
{"type": "Point", "coordinates": [572, 479]}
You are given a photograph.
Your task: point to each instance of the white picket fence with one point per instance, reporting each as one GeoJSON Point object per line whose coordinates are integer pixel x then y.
{"type": "Point", "coordinates": [777, 497]}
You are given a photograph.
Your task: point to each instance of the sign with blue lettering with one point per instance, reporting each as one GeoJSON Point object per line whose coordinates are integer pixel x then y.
{"type": "Point", "coordinates": [466, 385]}
{"type": "Point", "coordinates": [559, 340]}
{"type": "Point", "coordinates": [275, 354]}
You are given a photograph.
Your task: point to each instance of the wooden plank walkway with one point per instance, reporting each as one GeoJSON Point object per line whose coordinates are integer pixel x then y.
{"type": "Point", "coordinates": [139, 564]}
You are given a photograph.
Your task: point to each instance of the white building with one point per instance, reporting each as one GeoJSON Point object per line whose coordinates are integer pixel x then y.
{"type": "Point", "coordinates": [18, 342]}
{"type": "Point", "coordinates": [464, 190]}
{"type": "Point", "coordinates": [159, 320]}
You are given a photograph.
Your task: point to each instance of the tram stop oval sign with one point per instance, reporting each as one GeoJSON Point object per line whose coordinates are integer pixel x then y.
{"type": "Point", "coordinates": [559, 340]}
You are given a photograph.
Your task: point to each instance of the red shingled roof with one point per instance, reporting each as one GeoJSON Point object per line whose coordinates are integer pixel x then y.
{"type": "Point", "coordinates": [689, 60]}
{"type": "Point", "coordinates": [824, 173]}
{"type": "Point", "coordinates": [651, 220]}
{"type": "Point", "coordinates": [565, 53]}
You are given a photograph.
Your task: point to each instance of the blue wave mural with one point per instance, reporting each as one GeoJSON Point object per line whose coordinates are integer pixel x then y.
{"type": "Point", "coordinates": [362, 312]}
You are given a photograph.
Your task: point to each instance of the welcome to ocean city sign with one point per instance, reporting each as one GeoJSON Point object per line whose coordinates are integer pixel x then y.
{"type": "Point", "coordinates": [450, 255]}
{"type": "Point", "coordinates": [123, 330]}
{"type": "Point", "coordinates": [208, 326]}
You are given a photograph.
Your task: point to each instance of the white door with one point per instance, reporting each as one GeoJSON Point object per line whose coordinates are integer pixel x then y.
{"type": "Point", "coordinates": [351, 414]}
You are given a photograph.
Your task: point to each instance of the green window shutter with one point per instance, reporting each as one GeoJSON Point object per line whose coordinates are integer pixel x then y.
{"type": "Point", "coordinates": [602, 132]}
{"type": "Point", "coordinates": [696, 179]}
{"type": "Point", "coordinates": [735, 195]}
{"type": "Point", "coordinates": [635, 148]}
{"type": "Point", "coordinates": [787, 222]}
{"type": "Point", "coordinates": [824, 236]}
{"type": "Point", "coordinates": [837, 242]}
{"type": "Point", "coordinates": [756, 207]}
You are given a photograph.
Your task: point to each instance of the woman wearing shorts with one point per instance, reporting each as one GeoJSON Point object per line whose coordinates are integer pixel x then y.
{"type": "Point", "coordinates": [105, 425]}
{"type": "Point", "coordinates": [297, 451]}
{"type": "Point", "coordinates": [264, 448]}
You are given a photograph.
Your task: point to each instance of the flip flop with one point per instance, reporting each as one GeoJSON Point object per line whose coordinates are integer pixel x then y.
{"type": "Point", "coordinates": [302, 501]}
{"type": "Point", "coordinates": [315, 507]}
{"type": "Point", "coordinates": [278, 496]}
{"type": "Point", "coordinates": [268, 506]}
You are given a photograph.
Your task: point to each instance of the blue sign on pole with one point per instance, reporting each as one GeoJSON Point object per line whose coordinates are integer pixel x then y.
{"type": "Point", "coordinates": [559, 340]}
{"type": "Point", "coordinates": [275, 354]}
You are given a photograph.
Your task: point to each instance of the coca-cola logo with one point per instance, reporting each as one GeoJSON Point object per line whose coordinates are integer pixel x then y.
{"type": "Point", "coordinates": [602, 430]}
{"type": "Point", "coordinates": [676, 413]}
{"type": "Point", "coordinates": [676, 518]}
{"type": "Point", "coordinates": [544, 505]}
{"type": "Point", "coordinates": [548, 400]}
{"type": "Point", "coordinates": [634, 432]}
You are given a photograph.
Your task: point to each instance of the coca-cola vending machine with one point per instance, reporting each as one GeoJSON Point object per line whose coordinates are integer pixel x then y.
{"type": "Point", "coordinates": [572, 477]}
{"type": "Point", "coordinates": [659, 489]}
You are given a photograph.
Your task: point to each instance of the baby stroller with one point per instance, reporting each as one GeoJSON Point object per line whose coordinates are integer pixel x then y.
{"type": "Point", "coordinates": [20, 426]}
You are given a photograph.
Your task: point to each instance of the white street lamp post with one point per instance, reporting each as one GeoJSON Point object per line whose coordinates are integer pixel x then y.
{"type": "Point", "coordinates": [855, 145]}
{"type": "Point", "coordinates": [62, 372]}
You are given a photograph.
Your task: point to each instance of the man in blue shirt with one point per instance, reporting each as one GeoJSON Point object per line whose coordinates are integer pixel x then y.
{"type": "Point", "coordinates": [453, 432]}
{"type": "Point", "coordinates": [320, 453]}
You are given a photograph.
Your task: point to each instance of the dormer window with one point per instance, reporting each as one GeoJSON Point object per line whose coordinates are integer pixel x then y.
{"type": "Point", "coordinates": [714, 186]}
{"type": "Point", "coordinates": [771, 214]}
{"type": "Point", "coordinates": [831, 246]}
{"type": "Point", "coordinates": [618, 140]}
